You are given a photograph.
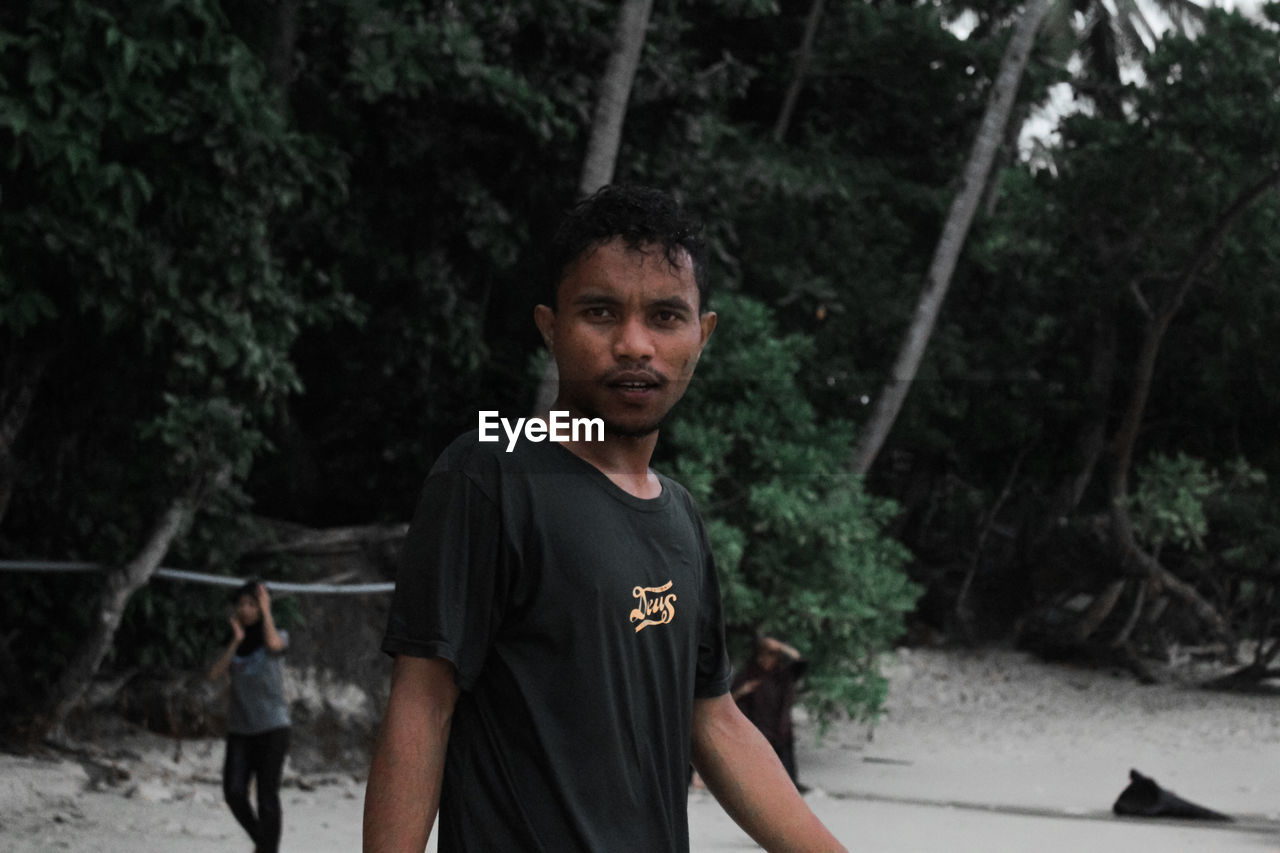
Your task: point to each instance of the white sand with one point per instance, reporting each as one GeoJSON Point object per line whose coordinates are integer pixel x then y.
{"type": "Point", "coordinates": [985, 751]}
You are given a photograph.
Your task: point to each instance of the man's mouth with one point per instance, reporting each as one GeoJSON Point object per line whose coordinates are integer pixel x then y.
{"type": "Point", "coordinates": [634, 383]}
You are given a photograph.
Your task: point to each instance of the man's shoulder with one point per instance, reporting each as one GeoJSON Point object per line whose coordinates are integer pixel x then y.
{"type": "Point", "coordinates": [466, 452]}
{"type": "Point", "coordinates": [477, 457]}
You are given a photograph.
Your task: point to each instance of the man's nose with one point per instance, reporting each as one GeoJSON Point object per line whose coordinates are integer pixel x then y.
{"type": "Point", "coordinates": [633, 340]}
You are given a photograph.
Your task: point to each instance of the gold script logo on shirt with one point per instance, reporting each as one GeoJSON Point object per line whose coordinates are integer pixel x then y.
{"type": "Point", "coordinates": [652, 607]}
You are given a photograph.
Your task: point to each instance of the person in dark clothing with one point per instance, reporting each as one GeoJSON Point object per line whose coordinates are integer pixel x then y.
{"type": "Point", "coordinates": [556, 626]}
{"type": "Point", "coordinates": [765, 692]}
{"type": "Point", "coordinates": [258, 720]}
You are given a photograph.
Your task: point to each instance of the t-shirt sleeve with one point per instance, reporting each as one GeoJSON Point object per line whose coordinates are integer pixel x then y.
{"type": "Point", "coordinates": [715, 674]}
{"type": "Point", "coordinates": [448, 597]}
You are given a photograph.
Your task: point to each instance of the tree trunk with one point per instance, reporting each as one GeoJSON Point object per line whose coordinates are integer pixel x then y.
{"type": "Point", "coordinates": [120, 585]}
{"type": "Point", "coordinates": [601, 158]}
{"type": "Point", "coordinates": [954, 232]}
{"type": "Point", "coordinates": [287, 538]}
{"type": "Point", "coordinates": [1123, 445]}
{"type": "Point", "coordinates": [611, 101]}
{"type": "Point", "coordinates": [963, 612]}
{"type": "Point", "coordinates": [1158, 325]}
{"type": "Point", "coordinates": [1006, 153]}
{"type": "Point", "coordinates": [1092, 441]}
{"type": "Point", "coordinates": [1100, 609]}
{"type": "Point", "coordinates": [802, 68]}
{"type": "Point", "coordinates": [548, 388]}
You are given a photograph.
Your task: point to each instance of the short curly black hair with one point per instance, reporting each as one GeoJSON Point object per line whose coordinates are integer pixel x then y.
{"type": "Point", "coordinates": [643, 217]}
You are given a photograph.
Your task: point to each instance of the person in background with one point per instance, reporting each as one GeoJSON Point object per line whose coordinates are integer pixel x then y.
{"type": "Point", "coordinates": [765, 692]}
{"type": "Point", "coordinates": [258, 720]}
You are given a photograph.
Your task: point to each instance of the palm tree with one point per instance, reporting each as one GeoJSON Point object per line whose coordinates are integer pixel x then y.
{"type": "Point", "coordinates": [1104, 43]}
{"type": "Point", "coordinates": [1107, 40]}
{"type": "Point", "coordinates": [601, 158]}
{"type": "Point", "coordinates": [955, 230]}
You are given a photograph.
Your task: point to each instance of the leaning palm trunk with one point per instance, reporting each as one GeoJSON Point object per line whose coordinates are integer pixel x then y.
{"type": "Point", "coordinates": [803, 58]}
{"type": "Point", "coordinates": [601, 159]}
{"type": "Point", "coordinates": [954, 233]}
{"type": "Point", "coordinates": [120, 585]}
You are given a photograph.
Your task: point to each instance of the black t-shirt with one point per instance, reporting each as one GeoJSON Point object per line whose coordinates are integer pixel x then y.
{"type": "Point", "coordinates": [582, 622]}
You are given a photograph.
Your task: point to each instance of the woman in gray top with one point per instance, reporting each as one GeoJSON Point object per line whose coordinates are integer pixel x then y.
{"type": "Point", "coordinates": [258, 720]}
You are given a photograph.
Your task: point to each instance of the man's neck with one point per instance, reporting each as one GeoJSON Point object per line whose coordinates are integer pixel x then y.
{"type": "Point", "coordinates": [623, 459]}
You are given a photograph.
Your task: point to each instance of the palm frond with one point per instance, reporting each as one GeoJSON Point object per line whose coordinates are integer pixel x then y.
{"type": "Point", "coordinates": [1137, 31]}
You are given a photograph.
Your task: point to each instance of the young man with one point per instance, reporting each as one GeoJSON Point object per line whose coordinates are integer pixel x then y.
{"type": "Point", "coordinates": [557, 630]}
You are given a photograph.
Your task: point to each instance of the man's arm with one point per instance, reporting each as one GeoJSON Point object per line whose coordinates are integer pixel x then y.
{"type": "Point", "coordinates": [745, 775]}
{"type": "Point", "coordinates": [786, 651]}
{"type": "Point", "coordinates": [403, 793]}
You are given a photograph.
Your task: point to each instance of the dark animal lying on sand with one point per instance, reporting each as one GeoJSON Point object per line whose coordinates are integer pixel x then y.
{"type": "Point", "coordinates": [1145, 798]}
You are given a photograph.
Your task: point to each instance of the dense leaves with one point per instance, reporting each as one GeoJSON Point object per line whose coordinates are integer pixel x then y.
{"type": "Point", "coordinates": [299, 242]}
{"type": "Point", "coordinates": [801, 545]}
{"type": "Point", "coordinates": [151, 187]}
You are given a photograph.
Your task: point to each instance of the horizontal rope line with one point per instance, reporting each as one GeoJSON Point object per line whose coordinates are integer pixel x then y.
{"type": "Point", "coordinates": [202, 577]}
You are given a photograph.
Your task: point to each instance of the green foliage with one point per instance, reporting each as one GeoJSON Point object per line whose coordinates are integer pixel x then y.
{"type": "Point", "coordinates": [461, 125]}
{"type": "Point", "coordinates": [1221, 520]}
{"type": "Point", "coordinates": [1245, 519]}
{"type": "Point", "coordinates": [1178, 496]}
{"type": "Point", "coordinates": [1040, 334]}
{"type": "Point", "coordinates": [152, 188]}
{"type": "Point", "coordinates": [191, 619]}
{"type": "Point", "coordinates": [145, 182]}
{"type": "Point", "coordinates": [800, 545]}
{"type": "Point", "coordinates": [308, 256]}
{"type": "Point", "coordinates": [1168, 506]}
{"type": "Point", "coordinates": [1244, 539]}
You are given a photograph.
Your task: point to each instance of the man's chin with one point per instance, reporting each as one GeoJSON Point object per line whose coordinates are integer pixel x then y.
{"type": "Point", "coordinates": [618, 421]}
{"type": "Point", "coordinates": [626, 430]}
{"type": "Point", "coordinates": [635, 426]}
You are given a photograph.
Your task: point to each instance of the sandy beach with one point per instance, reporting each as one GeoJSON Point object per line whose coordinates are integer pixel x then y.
{"type": "Point", "coordinates": [978, 751]}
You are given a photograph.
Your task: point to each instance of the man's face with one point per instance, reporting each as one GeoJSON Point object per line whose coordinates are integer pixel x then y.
{"type": "Point", "coordinates": [626, 335]}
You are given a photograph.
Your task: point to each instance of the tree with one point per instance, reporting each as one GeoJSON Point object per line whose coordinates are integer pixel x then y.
{"type": "Point", "coordinates": [1146, 233]}
{"type": "Point", "coordinates": [149, 176]}
{"type": "Point", "coordinates": [610, 112]}
{"type": "Point", "coordinates": [601, 157]}
{"type": "Point", "coordinates": [1230, 50]}
{"type": "Point", "coordinates": [954, 232]}
{"type": "Point", "coordinates": [120, 586]}
{"type": "Point", "coordinates": [803, 57]}
{"type": "Point", "coordinates": [800, 546]}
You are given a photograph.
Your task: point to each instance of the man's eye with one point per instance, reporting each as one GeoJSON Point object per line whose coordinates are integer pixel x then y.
{"type": "Point", "coordinates": [668, 318]}
{"type": "Point", "coordinates": [599, 313]}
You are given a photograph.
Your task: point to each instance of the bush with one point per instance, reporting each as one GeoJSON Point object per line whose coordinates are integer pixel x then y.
{"type": "Point", "coordinates": [800, 545]}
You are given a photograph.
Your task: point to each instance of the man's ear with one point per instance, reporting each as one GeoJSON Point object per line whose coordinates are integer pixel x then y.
{"type": "Point", "coordinates": [708, 322]}
{"type": "Point", "coordinates": [545, 319]}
